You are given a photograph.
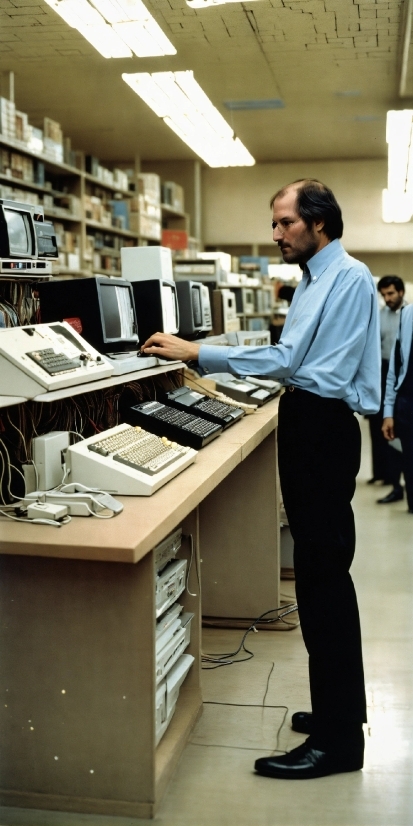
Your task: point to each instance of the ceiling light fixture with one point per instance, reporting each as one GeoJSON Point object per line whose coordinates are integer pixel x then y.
{"type": "Point", "coordinates": [177, 98]}
{"type": "Point", "coordinates": [398, 197]}
{"type": "Point", "coordinates": [116, 28]}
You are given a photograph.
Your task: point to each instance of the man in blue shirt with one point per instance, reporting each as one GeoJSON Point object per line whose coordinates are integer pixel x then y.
{"type": "Point", "coordinates": [328, 358]}
{"type": "Point", "coordinates": [398, 402]}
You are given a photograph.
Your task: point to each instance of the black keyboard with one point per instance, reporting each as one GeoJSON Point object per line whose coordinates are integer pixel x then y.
{"type": "Point", "coordinates": [176, 425]}
{"type": "Point", "coordinates": [53, 363]}
{"type": "Point", "coordinates": [211, 409]}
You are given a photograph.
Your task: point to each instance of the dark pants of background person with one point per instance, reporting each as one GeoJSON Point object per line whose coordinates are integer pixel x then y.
{"type": "Point", "coordinates": [386, 462]}
{"type": "Point", "coordinates": [319, 447]}
{"type": "Point", "coordinates": [403, 427]}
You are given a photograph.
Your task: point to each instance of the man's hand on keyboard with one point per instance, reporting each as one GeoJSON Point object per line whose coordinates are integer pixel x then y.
{"type": "Point", "coordinates": [171, 347]}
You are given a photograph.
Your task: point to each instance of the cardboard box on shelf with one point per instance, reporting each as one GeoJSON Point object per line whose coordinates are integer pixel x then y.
{"type": "Point", "coordinates": [175, 239]}
{"type": "Point", "coordinates": [22, 126]}
{"type": "Point", "coordinates": [53, 131]}
{"type": "Point", "coordinates": [173, 195]}
{"type": "Point", "coordinates": [35, 142]}
{"type": "Point", "coordinates": [149, 185]}
{"type": "Point", "coordinates": [53, 149]}
{"type": "Point", "coordinates": [145, 226]}
{"type": "Point", "coordinates": [7, 119]}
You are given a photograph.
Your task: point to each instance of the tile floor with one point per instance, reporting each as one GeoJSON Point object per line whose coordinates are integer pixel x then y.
{"type": "Point", "coordinates": [215, 784]}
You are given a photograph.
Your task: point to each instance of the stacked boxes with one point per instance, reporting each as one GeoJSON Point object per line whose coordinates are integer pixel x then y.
{"type": "Point", "coordinates": [53, 140]}
{"type": "Point", "coordinates": [173, 195]}
{"type": "Point", "coordinates": [145, 217]}
{"type": "Point", "coordinates": [68, 244]}
{"type": "Point", "coordinates": [22, 128]}
{"type": "Point", "coordinates": [7, 119]}
{"type": "Point", "coordinates": [115, 178]}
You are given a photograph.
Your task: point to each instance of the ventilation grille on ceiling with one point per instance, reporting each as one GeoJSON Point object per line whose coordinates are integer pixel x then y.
{"type": "Point", "coordinates": [271, 103]}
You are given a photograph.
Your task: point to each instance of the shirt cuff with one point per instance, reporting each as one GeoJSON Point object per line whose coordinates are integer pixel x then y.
{"type": "Point", "coordinates": [213, 358]}
{"type": "Point", "coordinates": [388, 411]}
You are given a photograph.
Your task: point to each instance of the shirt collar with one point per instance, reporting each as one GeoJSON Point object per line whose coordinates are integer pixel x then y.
{"type": "Point", "coordinates": [322, 259]}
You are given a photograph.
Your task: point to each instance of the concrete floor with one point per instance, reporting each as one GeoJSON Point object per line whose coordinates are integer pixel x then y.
{"type": "Point", "coordinates": [215, 784]}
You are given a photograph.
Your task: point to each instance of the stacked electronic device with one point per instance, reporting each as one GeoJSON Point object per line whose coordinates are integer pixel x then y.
{"type": "Point", "coordinates": [172, 632]}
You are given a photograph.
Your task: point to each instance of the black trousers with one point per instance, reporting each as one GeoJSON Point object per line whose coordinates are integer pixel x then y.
{"type": "Point", "coordinates": [319, 447]}
{"type": "Point", "coordinates": [403, 426]}
{"type": "Point", "coordinates": [386, 462]}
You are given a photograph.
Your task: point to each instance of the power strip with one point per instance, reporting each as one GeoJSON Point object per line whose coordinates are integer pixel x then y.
{"type": "Point", "coordinates": [76, 504]}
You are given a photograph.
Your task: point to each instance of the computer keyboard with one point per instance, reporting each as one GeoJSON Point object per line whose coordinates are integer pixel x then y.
{"type": "Point", "coordinates": [54, 363]}
{"type": "Point", "coordinates": [127, 460]}
{"type": "Point", "coordinates": [215, 411]}
{"type": "Point", "coordinates": [179, 425]}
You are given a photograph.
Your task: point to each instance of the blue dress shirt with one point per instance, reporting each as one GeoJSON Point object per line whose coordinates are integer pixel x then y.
{"type": "Point", "coordinates": [405, 336]}
{"type": "Point", "coordinates": [330, 343]}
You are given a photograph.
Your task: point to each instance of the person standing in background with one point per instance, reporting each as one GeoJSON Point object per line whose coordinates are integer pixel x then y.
{"type": "Point", "coordinates": [398, 402]}
{"type": "Point", "coordinates": [386, 461]}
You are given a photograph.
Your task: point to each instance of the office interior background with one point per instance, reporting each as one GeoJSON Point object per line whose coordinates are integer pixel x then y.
{"type": "Point", "coordinates": [306, 86]}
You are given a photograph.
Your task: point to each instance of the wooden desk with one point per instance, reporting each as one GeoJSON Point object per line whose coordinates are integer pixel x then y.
{"type": "Point", "coordinates": [77, 632]}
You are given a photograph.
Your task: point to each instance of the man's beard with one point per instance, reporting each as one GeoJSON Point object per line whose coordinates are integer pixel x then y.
{"type": "Point", "coordinates": [299, 256]}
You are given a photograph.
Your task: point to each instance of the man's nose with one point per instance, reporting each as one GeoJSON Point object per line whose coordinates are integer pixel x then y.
{"type": "Point", "coordinates": [276, 234]}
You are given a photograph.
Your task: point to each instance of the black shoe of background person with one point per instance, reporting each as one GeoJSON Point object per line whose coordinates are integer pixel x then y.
{"type": "Point", "coordinates": [301, 721]}
{"type": "Point", "coordinates": [306, 762]}
{"type": "Point", "coordinates": [373, 480]}
{"type": "Point", "coordinates": [395, 495]}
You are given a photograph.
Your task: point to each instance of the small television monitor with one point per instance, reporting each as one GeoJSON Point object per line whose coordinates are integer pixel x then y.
{"type": "Point", "coordinates": [101, 309]}
{"type": "Point", "coordinates": [17, 230]}
{"type": "Point", "coordinates": [156, 306]}
{"type": "Point", "coordinates": [194, 308]}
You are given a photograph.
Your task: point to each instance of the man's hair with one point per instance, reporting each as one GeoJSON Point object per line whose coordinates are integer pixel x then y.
{"type": "Point", "coordinates": [391, 280]}
{"type": "Point", "coordinates": [316, 202]}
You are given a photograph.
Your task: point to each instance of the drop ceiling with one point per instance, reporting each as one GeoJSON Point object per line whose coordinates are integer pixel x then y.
{"type": "Point", "coordinates": [334, 64]}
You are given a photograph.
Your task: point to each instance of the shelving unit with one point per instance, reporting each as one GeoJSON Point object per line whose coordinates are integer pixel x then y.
{"type": "Point", "coordinates": [78, 240]}
{"type": "Point", "coordinates": [246, 316]}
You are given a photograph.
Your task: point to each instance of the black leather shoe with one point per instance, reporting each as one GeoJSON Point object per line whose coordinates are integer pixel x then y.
{"type": "Point", "coordinates": [301, 721]}
{"type": "Point", "coordinates": [395, 495]}
{"type": "Point", "coordinates": [373, 480]}
{"type": "Point", "coordinates": [307, 762]}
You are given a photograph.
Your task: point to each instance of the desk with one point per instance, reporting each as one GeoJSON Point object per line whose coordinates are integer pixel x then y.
{"type": "Point", "coordinates": [77, 632]}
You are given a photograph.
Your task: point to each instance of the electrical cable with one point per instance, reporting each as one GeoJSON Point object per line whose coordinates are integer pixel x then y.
{"type": "Point", "coordinates": [228, 659]}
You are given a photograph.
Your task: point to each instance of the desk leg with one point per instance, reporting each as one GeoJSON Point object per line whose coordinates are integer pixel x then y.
{"type": "Point", "coordinates": [239, 539]}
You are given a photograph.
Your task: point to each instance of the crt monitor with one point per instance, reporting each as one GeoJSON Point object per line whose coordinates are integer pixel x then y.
{"type": "Point", "coordinates": [17, 230]}
{"type": "Point", "coordinates": [101, 309]}
{"type": "Point", "coordinates": [194, 308]}
{"type": "Point", "coordinates": [156, 307]}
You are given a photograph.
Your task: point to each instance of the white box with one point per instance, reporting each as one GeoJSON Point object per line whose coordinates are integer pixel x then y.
{"type": "Point", "coordinates": [146, 263]}
{"type": "Point", "coordinates": [47, 458]}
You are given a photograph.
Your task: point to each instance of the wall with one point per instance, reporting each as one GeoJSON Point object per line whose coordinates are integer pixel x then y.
{"type": "Point", "coordinates": [236, 204]}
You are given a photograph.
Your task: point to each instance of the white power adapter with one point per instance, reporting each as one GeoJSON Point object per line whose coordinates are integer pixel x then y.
{"type": "Point", "coordinates": [46, 510]}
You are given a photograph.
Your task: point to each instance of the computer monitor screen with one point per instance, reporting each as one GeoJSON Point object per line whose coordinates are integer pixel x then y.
{"type": "Point", "coordinates": [118, 317]}
{"type": "Point", "coordinates": [101, 309]}
{"type": "Point", "coordinates": [17, 235]}
{"type": "Point", "coordinates": [194, 308]}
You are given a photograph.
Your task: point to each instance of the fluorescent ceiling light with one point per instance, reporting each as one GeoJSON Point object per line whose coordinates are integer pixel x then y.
{"type": "Point", "coordinates": [398, 197]}
{"type": "Point", "coordinates": [177, 98]}
{"type": "Point", "coordinates": [116, 28]}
